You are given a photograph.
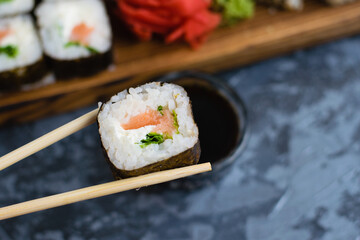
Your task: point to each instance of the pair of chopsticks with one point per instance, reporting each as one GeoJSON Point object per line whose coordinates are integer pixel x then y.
{"type": "Point", "coordinates": [88, 192]}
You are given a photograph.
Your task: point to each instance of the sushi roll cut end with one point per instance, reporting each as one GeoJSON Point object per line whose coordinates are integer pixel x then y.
{"type": "Point", "coordinates": [77, 36]}
{"type": "Point", "coordinates": [21, 59]}
{"type": "Point", "coordinates": [148, 129]}
{"type": "Point", "coordinates": [13, 7]}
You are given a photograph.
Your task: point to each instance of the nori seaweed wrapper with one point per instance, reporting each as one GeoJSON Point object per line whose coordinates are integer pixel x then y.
{"type": "Point", "coordinates": [15, 78]}
{"type": "Point", "coordinates": [82, 67]}
{"type": "Point", "coordinates": [189, 157]}
{"type": "Point", "coordinates": [186, 158]}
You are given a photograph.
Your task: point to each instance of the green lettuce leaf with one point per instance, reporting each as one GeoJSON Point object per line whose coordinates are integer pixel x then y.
{"type": "Point", "coordinates": [77, 44]}
{"type": "Point", "coordinates": [5, 1]}
{"type": "Point", "coordinates": [152, 138]}
{"type": "Point", "coordinates": [176, 123]}
{"type": "Point", "coordinates": [10, 50]}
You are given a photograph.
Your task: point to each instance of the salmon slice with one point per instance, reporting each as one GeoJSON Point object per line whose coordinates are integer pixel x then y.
{"type": "Point", "coordinates": [80, 34]}
{"type": "Point", "coordinates": [150, 117]}
{"type": "Point", "coordinates": [164, 123]}
{"type": "Point", "coordinates": [3, 34]}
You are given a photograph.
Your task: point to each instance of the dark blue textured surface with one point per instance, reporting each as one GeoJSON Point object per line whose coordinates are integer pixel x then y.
{"type": "Point", "coordinates": [298, 178]}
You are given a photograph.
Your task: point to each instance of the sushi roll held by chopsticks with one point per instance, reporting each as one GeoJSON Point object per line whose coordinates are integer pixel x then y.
{"type": "Point", "coordinates": [76, 35]}
{"type": "Point", "coordinates": [148, 129]}
{"type": "Point", "coordinates": [21, 57]}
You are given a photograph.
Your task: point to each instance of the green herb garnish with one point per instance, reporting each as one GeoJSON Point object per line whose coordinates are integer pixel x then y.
{"type": "Point", "coordinates": [160, 109]}
{"type": "Point", "coordinates": [167, 136]}
{"type": "Point", "coordinates": [91, 50]}
{"type": "Point", "coordinates": [73, 44]}
{"type": "Point", "coordinates": [77, 44]}
{"type": "Point", "coordinates": [176, 124]}
{"type": "Point", "coordinates": [152, 138]}
{"type": "Point", "coordinates": [9, 50]}
{"type": "Point", "coordinates": [5, 1]}
{"type": "Point", "coordinates": [234, 10]}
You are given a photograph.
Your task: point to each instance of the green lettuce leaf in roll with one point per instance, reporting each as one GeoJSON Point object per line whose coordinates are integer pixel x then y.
{"type": "Point", "coordinates": [5, 1]}
{"type": "Point", "coordinates": [9, 50]}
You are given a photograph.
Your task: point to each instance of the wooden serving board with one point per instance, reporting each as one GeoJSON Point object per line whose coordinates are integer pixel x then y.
{"type": "Point", "coordinates": [266, 35]}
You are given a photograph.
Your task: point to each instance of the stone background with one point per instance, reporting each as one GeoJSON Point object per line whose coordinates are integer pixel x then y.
{"type": "Point", "coordinates": [297, 179]}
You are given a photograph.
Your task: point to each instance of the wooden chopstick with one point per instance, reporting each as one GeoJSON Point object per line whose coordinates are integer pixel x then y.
{"type": "Point", "coordinates": [48, 139]}
{"type": "Point", "coordinates": [100, 190]}
{"type": "Point", "coordinates": [84, 193]}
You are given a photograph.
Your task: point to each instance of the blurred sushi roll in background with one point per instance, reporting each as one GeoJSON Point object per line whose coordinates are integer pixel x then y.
{"type": "Point", "coordinates": [21, 57]}
{"type": "Point", "coordinates": [293, 5]}
{"type": "Point", "coordinates": [338, 2]}
{"type": "Point", "coordinates": [14, 7]}
{"type": "Point", "coordinates": [76, 35]}
{"type": "Point", "coordinates": [147, 129]}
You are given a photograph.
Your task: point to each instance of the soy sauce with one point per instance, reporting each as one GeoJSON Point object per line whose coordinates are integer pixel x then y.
{"type": "Point", "coordinates": [217, 122]}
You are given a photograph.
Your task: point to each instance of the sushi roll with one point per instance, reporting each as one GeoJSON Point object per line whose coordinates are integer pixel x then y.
{"type": "Point", "coordinates": [147, 129]}
{"type": "Point", "coordinates": [76, 35]}
{"type": "Point", "coordinates": [338, 2]}
{"type": "Point", "coordinates": [13, 7]}
{"type": "Point", "coordinates": [292, 5]}
{"type": "Point", "coordinates": [21, 57]}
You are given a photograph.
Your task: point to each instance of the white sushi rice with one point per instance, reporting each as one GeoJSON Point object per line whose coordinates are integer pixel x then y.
{"type": "Point", "coordinates": [57, 19]}
{"type": "Point", "coordinates": [13, 7]}
{"type": "Point", "coordinates": [23, 36]}
{"type": "Point", "coordinates": [123, 147]}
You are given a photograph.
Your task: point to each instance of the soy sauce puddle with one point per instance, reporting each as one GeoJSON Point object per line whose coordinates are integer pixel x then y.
{"type": "Point", "coordinates": [221, 117]}
{"type": "Point", "coordinates": [217, 122]}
